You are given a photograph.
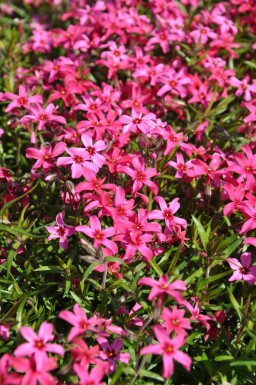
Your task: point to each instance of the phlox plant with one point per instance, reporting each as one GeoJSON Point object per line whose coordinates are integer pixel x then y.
{"type": "Point", "coordinates": [128, 192]}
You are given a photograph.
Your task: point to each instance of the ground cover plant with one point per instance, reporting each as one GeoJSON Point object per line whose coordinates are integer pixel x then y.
{"type": "Point", "coordinates": [127, 182]}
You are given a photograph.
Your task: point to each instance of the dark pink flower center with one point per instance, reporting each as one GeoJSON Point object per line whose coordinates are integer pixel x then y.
{"type": "Point", "coordinates": [136, 121]}
{"type": "Point", "coordinates": [182, 167]}
{"type": "Point", "coordinates": [244, 270]}
{"type": "Point", "coordinates": [61, 231]}
{"type": "Point", "coordinates": [39, 344]}
{"type": "Point", "coordinates": [78, 159]}
{"type": "Point", "coordinates": [98, 235]}
{"type": "Point", "coordinates": [168, 348]}
{"type": "Point", "coordinates": [84, 324]}
{"type": "Point", "coordinates": [91, 150]}
{"type": "Point", "coordinates": [162, 36]}
{"type": "Point", "coordinates": [173, 138]}
{"type": "Point", "coordinates": [140, 176]}
{"type": "Point", "coordinates": [43, 117]}
{"type": "Point", "coordinates": [249, 169]}
{"type": "Point", "coordinates": [167, 214]}
{"type": "Point", "coordinates": [120, 210]}
{"type": "Point", "coordinates": [111, 353]}
{"type": "Point", "coordinates": [22, 100]}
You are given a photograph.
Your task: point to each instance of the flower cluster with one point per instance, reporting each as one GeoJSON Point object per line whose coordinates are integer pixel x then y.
{"type": "Point", "coordinates": [127, 161]}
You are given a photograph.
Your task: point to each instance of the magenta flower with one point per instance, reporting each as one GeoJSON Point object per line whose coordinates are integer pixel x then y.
{"type": "Point", "coordinates": [80, 161]}
{"type": "Point", "coordinates": [163, 286]}
{"type": "Point", "coordinates": [99, 236]}
{"type": "Point", "coordinates": [21, 100]}
{"type": "Point", "coordinates": [93, 377]}
{"type": "Point", "coordinates": [167, 213]}
{"type": "Point", "coordinates": [38, 345]}
{"type": "Point", "coordinates": [137, 122]}
{"type": "Point", "coordinates": [60, 231]}
{"type": "Point", "coordinates": [236, 195]}
{"type": "Point", "coordinates": [242, 270]}
{"type": "Point", "coordinates": [169, 349]}
{"type": "Point", "coordinates": [174, 82]}
{"type": "Point", "coordinates": [79, 321]}
{"type": "Point", "coordinates": [243, 87]}
{"type": "Point", "coordinates": [83, 354]}
{"type": "Point", "coordinates": [43, 116]}
{"type": "Point", "coordinates": [123, 208]}
{"type": "Point", "coordinates": [7, 378]}
{"type": "Point", "coordinates": [36, 371]}
{"type": "Point", "coordinates": [174, 320]}
{"type": "Point", "coordinates": [250, 212]}
{"type": "Point", "coordinates": [111, 352]}
{"type": "Point", "coordinates": [93, 149]}
{"type": "Point", "coordinates": [202, 34]}
{"type": "Point", "coordinates": [45, 155]}
{"type": "Point", "coordinates": [196, 314]}
{"type": "Point", "coordinates": [140, 175]}
{"type": "Point", "coordinates": [252, 108]}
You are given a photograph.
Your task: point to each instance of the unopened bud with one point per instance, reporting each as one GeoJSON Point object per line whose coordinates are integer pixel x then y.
{"type": "Point", "coordinates": [70, 187]}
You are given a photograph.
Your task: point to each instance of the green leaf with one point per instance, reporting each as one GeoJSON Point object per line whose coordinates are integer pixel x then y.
{"type": "Point", "coordinates": [244, 363]}
{"type": "Point", "coordinates": [235, 303]}
{"type": "Point", "coordinates": [223, 358]}
{"type": "Point", "coordinates": [8, 204]}
{"type": "Point", "coordinates": [217, 277]}
{"type": "Point", "coordinates": [155, 267]}
{"type": "Point", "coordinates": [52, 269]}
{"type": "Point", "coordinates": [17, 231]}
{"type": "Point", "coordinates": [90, 269]}
{"type": "Point", "coordinates": [201, 232]}
{"type": "Point", "coordinates": [154, 375]}
{"type": "Point", "coordinates": [11, 255]}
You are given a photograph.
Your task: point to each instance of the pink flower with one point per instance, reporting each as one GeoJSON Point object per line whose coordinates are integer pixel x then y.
{"type": "Point", "coordinates": [60, 231]}
{"type": "Point", "coordinates": [112, 354]}
{"type": "Point", "coordinates": [243, 87]}
{"type": "Point", "coordinates": [45, 155]}
{"type": "Point", "coordinates": [169, 349]}
{"type": "Point", "coordinates": [80, 161]}
{"type": "Point", "coordinates": [21, 100]}
{"type": "Point", "coordinates": [140, 175]}
{"type": "Point", "coordinates": [7, 378]}
{"type": "Point", "coordinates": [163, 286]}
{"type": "Point", "coordinates": [202, 34]}
{"type": "Point", "coordinates": [83, 354]}
{"type": "Point", "coordinates": [138, 122]}
{"type": "Point", "coordinates": [38, 345]}
{"type": "Point", "coordinates": [174, 82]}
{"type": "Point", "coordinates": [174, 321]}
{"type": "Point", "coordinates": [93, 377]}
{"type": "Point", "coordinates": [196, 315]}
{"type": "Point", "coordinates": [35, 370]}
{"type": "Point", "coordinates": [79, 321]}
{"type": "Point", "coordinates": [252, 116]}
{"type": "Point", "coordinates": [100, 236]}
{"type": "Point", "coordinates": [242, 270]}
{"type": "Point", "coordinates": [167, 212]}
{"type": "Point", "coordinates": [93, 149]}
{"type": "Point", "coordinates": [123, 208]}
{"type": "Point", "coordinates": [43, 116]}
{"type": "Point", "coordinates": [4, 328]}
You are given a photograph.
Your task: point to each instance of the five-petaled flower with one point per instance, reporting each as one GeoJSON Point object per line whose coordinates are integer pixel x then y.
{"type": "Point", "coordinates": [169, 349]}
{"type": "Point", "coordinates": [61, 231]}
{"type": "Point", "coordinates": [242, 270]}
